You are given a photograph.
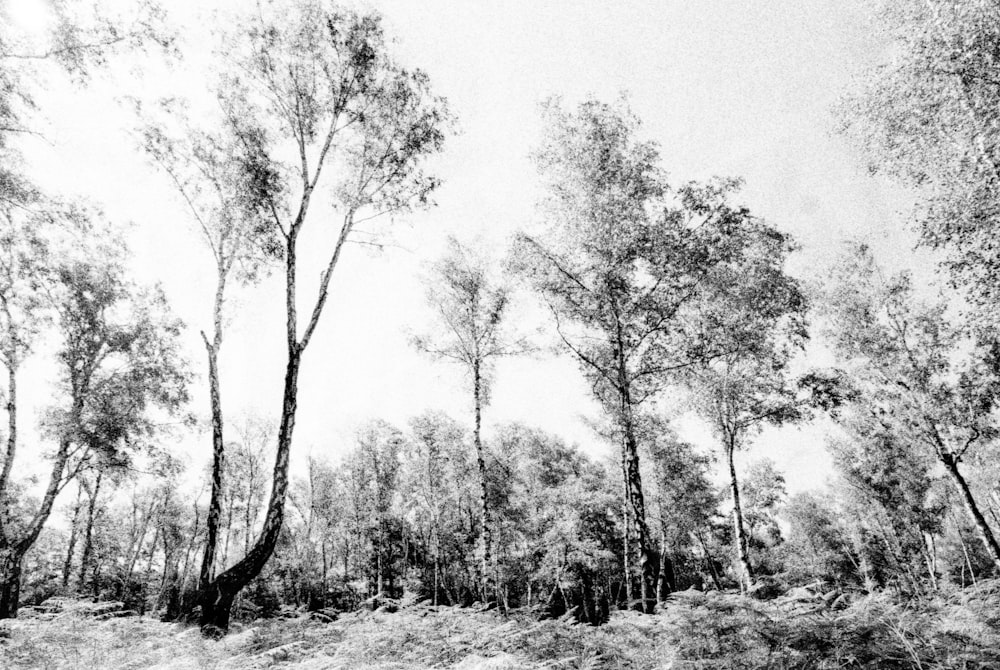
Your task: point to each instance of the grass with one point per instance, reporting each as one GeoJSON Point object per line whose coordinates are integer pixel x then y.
{"type": "Point", "coordinates": [713, 630]}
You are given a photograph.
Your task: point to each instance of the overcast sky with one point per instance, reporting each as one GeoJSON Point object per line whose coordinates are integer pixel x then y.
{"type": "Point", "coordinates": [727, 87]}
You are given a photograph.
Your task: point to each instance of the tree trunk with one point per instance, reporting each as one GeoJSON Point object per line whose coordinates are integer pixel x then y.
{"type": "Point", "coordinates": [665, 582]}
{"type": "Point", "coordinates": [8, 457]}
{"type": "Point", "coordinates": [710, 561]}
{"type": "Point", "coordinates": [172, 586]}
{"type": "Point", "coordinates": [138, 545]}
{"type": "Point", "coordinates": [12, 552]}
{"type": "Point", "coordinates": [182, 581]}
{"type": "Point", "coordinates": [985, 532]}
{"type": "Point", "coordinates": [742, 548]}
{"type": "Point", "coordinates": [248, 517]}
{"type": "Point", "coordinates": [633, 478]}
{"type": "Point", "coordinates": [626, 537]}
{"type": "Point", "coordinates": [217, 598]}
{"type": "Point", "coordinates": [73, 529]}
{"type": "Point", "coordinates": [158, 536]}
{"type": "Point", "coordinates": [229, 531]}
{"type": "Point", "coordinates": [218, 444]}
{"type": "Point", "coordinates": [484, 517]}
{"type": "Point", "coordinates": [88, 532]}
{"type": "Point", "coordinates": [10, 581]}
{"type": "Point", "coordinates": [930, 557]}
{"type": "Point", "coordinates": [437, 586]}
{"type": "Point", "coordinates": [10, 561]}
{"type": "Point", "coordinates": [647, 559]}
{"type": "Point", "coordinates": [323, 574]}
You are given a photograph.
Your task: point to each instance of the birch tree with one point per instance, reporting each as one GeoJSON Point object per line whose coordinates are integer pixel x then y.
{"type": "Point", "coordinates": [760, 324]}
{"type": "Point", "coordinates": [471, 304]}
{"type": "Point", "coordinates": [626, 266]}
{"type": "Point", "coordinates": [120, 362]}
{"type": "Point", "coordinates": [928, 117]}
{"type": "Point", "coordinates": [918, 375]}
{"type": "Point", "coordinates": [326, 118]}
{"type": "Point", "coordinates": [214, 174]}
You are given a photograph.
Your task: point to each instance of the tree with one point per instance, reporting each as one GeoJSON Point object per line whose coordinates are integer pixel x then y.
{"type": "Point", "coordinates": [436, 472]}
{"type": "Point", "coordinates": [929, 118]}
{"type": "Point", "coordinates": [818, 544]}
{"type": "Point", "coordinates": [374, 470]}
{"type": "Point", "coordinates": [628, 273]}
{"type": "Point", "coordinates": [120, 364]}
{"type": "Point", "coordinates": [682, 498]}
{"type": "Point", "coordinates": [315, 82]}
{"type": "Point", "coordinates": [759, 323]}
{"type": "Point", "coordinates": [215, 174]}
{"type": "Point", "coordinates": [918, 375]}
{"type": "Point", "coordinates": [888, 492]}
{"type": "Point", "coordinates": [471, 305]}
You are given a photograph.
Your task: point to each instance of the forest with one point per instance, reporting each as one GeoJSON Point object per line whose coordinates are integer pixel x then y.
{"type": "Point", "coordinates": [152, 516]}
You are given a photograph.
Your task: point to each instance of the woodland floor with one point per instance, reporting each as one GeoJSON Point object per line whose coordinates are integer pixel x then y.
{"type": "Point", "coordinates": [696, 630]}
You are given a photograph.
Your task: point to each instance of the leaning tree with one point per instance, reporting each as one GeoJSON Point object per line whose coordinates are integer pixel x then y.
{"type": "Point", "coordinates": [919, 377]}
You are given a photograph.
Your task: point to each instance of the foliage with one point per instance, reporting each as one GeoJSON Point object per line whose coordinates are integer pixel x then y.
{"type": "Point", "coordinates": [922, 383]}
{"type": "Point", "coordinates": [928, 117]}
{"type": "Point", "coordinates": [714, 630]}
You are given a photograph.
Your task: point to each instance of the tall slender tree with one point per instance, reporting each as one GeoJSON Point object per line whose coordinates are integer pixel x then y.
{"type": "Point", "coordinates": [213, 173]}
{"type": "Point", "coordinates": [760, 324]}
{"type": "Point", "coordinates": [471, 303]}
{"type": "Point", "coordinates": [315, 99]}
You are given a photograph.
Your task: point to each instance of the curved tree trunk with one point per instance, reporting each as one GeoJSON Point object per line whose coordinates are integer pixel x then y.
{"type": "Point", "coordinates": [12, 553]}
{"type": "Point", "coordinates": [217, 598]}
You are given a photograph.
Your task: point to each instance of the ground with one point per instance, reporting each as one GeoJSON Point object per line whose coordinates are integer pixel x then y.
{"type": "Point", "coordinates": [801, 629]}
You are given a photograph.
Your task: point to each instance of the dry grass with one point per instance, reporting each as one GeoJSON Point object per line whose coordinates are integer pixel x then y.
{"type": "Point", "coordinates": [696, 631]}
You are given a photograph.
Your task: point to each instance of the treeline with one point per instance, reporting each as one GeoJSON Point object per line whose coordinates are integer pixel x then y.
{"type": "Point", "coordinates": [673, 298]}
{"type": "Point", "coordinates": [399, 516]}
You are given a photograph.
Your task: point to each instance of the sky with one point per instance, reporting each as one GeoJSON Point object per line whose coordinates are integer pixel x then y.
{"type": "Point", "coordinates": [726, 87]}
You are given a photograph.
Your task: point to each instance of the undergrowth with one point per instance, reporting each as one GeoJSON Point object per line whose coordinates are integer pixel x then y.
{"type": "Point", "coordinates": [696, 630]}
